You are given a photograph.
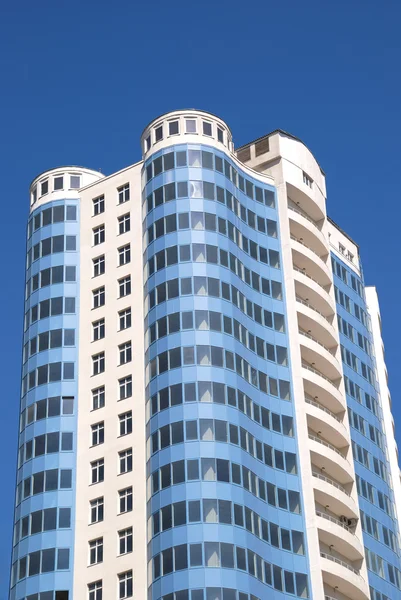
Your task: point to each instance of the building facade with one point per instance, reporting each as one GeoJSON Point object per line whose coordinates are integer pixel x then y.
{"type": "Point", "coordinates": [204, 407]}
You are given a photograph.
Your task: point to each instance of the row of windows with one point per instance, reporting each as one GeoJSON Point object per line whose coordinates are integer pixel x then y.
{"type": "Point", "coordinates": [49, 308]}
{"type": "Point", "coordinates": [208, 430]}
{"type": "Point", "coordinates": [51, 245]}
{"type": "Point", "coordinates": [46, 408]}
{"type": "Point", "coordinates": [207, 391]}
{"type": "Point", "coordinates": [201, 221]}
{"type": "Point", "coordinates": [376, 595]}
{"type": "Point", "coordinates": [125, 587]}
{"type": "Point", "coordinates": [123, 195]}
{"type": "Point", "coordinates": [48, 374]}
{"type": "Point", "coordinates": [206, 191]}
{"type": "Point", "coordinates": [206, 253]}
{"type": "Point", "coordinates": [206, 221]}
{"type": "Point", "coordinates": [125, 496]}
{"type": "Point", "coordinates": [48, 519]}
{"type": "Point", "coordinates": [42, 561]}
{"type": "Point", "coordinates": [364, 427]}
{"type": "Point", "coordinates": [209, 320]}
{"type": "Point", "coordinates": [208, 160]}
{"type": "Point", "coordinates": [352, 307]}
{"type": "Point", "coordinates": [373, 527]}
{"type": "Point", "coordinates": [99, 295]}
{"type": "Point", "coordinates": [50, 595]}
{"type": "Point", "coordinates": [124, 357]}
{"type": "Point", "coordinates": [227, 513]}
{"type": "Point", "coordinates": [376, 497]}
{"type": "Point", "coordinates": [44, 481]}
{"type": "Point", "coordinates": [382, 568]}
{"type": "Point", "coordinates": [211, 469]}
{"type": "Point", "coordinates": [124, 428]}
{"type": "Point", "coordinates": [47, 443]}
{"type": "Point", "coordinates": [99, 232]}
{"type": "Point", "coordinates": [217, 357]}
{"type": "Point", "coordinates": [346, 277]}
{"type": "Point", "coordinates": [358, 394]}
{"type": "Point", "coordinates": [215, 288]}
{"type": "Point", "coordinates": [71, 181]}
{"type": "Point", "coordinates": [350, 359]}
{"type": "Point", "coordinates": [48, 216]}
{"type": "Point", "coordinates": [369, 461]}
{"type": "Point", "coordinates": [99, 263]}
{"type": "Point", "coordinates": [228, 556]}
{"type": "Point", "coordinates": [355, 336]}
{"type": "Point", "coordinates": [50, 276]}
{"type": "Point", "coordinates": [99, 393]}
{"type": "Point", "coordinates": [55, 338]}
{"type": "Point", "coordinates": [189, 126]}
{"type": "Point", "coordinates": [209, 593]}
{"type": "Point", "coordinates": [125, 546]}
{"type": "Point", "coordinates": [99, 326]}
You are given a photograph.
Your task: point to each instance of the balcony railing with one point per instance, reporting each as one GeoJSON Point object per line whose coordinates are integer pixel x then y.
{"type": "Point", "coordinates": [339, 562]}
{"type": "Point", "coordinates": [334, 520]}
{"type": "Point", "coordinates": [323, 408]}
{"type": "Point", "coordinates": [306, 246]}
{"type": "Point", "coordinates": [305, 365]}
{"type": "Point", "coordinates": [320, 441]}
{"type": "Point", "coordinates": [330, 481]}
{"type": "Point", "coordinates": [302, 301]}
{"type": "Point", "coordinates": [303, 214]}
{"type": "Point", "coordinates": [308, 335]}
{"type": "Point", "coordinates": [296, 268]}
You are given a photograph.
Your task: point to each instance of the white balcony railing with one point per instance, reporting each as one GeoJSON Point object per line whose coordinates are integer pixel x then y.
{"type": "Point", "coordinates": [331, 482]}
{"type": "Point", "coordinates": [320, 441]}
{"type": "Point", "coordinates": [339, 562]}
{"type": "Point", "coordinates": [334, 520]}
{"type": "Point", "coordinates": [323, 408]}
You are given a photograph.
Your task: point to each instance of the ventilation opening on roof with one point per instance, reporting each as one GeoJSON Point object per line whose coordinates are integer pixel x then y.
{"type": "Point", "coordinates": [262, 147]}
{"type": "Point", "coordinates": [244, 155]}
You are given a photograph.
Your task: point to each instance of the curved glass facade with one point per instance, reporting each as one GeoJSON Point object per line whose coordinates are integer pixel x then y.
{"type": "Point", "coordinates": [44, 515]}
{"type": "Point", "coordinates": [376, 501]}
{"type": "Point", "coordinates": [224, 498]}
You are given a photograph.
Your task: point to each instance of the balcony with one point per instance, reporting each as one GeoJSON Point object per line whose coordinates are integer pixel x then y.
{"type": "Point", "coordinates": [343, 577]}
{"type": "Point", "coordinates": [305, 229]}
{"type": "Point", "coordinates": [322, 389]}
{"type": "Point", "coordinates": [319, 356]}
{"type": "Point", "coordinates": [321, 326]}
{"type": "Point", "coordinates": [329, 425]}
{"type": "Point", "coordinates": [330, 459]}
{"type": "Point", "coordinates": [307, 259]}
{"type": "Point", "coordinates": [307, 200]}
{"type": "Point", "coordinates": [334, 496]}
{"type": "Point", "coordinates": [313, 292]}
{"type": "Point", "coordinates": [335, 534]}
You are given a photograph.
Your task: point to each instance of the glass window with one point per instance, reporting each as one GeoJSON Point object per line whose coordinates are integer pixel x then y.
{"type": "Point", "coordinates": [58, 183]}
{"type": "Point", "coordinates": [190, 125]}
{"type": "Point", "coordinates": [75, 181]}
{"type": "Point", "coordinates": [173, 127]}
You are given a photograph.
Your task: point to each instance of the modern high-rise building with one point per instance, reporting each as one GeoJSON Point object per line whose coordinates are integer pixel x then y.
{"type": "Point", "coordinates": [204, 407]}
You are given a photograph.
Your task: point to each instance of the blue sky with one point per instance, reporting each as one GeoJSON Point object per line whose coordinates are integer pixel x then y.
{"type": "Point", "coordinates": [80, 80]}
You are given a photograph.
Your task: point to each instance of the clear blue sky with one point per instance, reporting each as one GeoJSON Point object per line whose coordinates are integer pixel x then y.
{"type": "Point", "coordinates": [80, 80]}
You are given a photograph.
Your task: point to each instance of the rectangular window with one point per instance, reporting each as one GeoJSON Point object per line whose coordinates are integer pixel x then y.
{"type": "Point", "coordinates": [98, 398]}
{"type": "Point", "coordinates": [125, 500]}
{"type": "Point", "coordinates": [98, 205]}
{"type": "Point", "coordinates": [124, 224]}
{"type": "Point", "coordinates": [99, 297]}
{"type": "Point", "coordinates": [98, 266]}
{"type": "Point", "coordinates": [98, 363]}
{"type": "Point", "coordinates": [95, 591]}
{"type": "Point", "coordinates": [97, 510]}
{"type": "Point", "coordinates": [125, 386]}
{"type": "Point", "coordinates": [125, 353]}
{"type": "Point", "coordinates": [307, 180]}
{"type": "Point", "coordinates": [125, 461]}
{"type": "Point", "coordinates": [125, 318]}
{"type": "Point", "coordinates": [125, 541]}
{"type": "Point", "coordinates": [97, 432]}
{"type": "Point", "coordinates": [99, 235]}
{"type": "Point", "coordinates": [124, 286]}
{"type": "Point", "coordinates": [97, 471]}
{"type": "Point", "coordinates": [58, 183]}
{"type": "Point", "coordinates": [125, 420]}
{"type": "Point", "coordinates": [124, 255]}
{"type": "Point", "coordinates": [98, 328]}
{"type": "Point", "coordinates": [96, 551]}
{"type": "Point", "coordinates": [123, 193]}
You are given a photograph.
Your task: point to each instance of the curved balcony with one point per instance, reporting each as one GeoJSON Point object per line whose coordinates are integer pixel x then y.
{"type": "Point", "coordinates": [338, 535]}
{"type": "Point", "coordinates": [330, 460]}
{"type": "Point", "coordinates": [343, 577]}
{"type": "Point", "coordinates": [324, 421]}
{"type": "Point", "coordinates": [322, 389]}
{"type": "Point", "coordinates": [334, 496]}
{"type": "Point", "coordinates": [312, 292]}
{"type": "Point", "coordinates": [307, 259]}
{"type": "Point", "coordinates": [319, 356]}
{"type": "Point", "coordinates": [307, 200]}
{"type": "Point", "coordinates": [307, 230]}
{"type": "Point", "coordinates": [310, 319]}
